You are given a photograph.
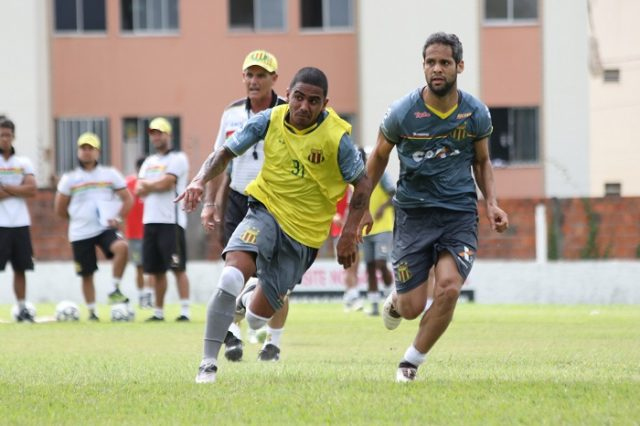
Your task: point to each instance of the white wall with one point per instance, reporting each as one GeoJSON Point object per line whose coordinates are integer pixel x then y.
{"type": "Point", "coordinates": [390, 39]}
{"type": "Point", "coordinates": [565, 112]}
{"type": "Point", "coordinates": [25, 81]}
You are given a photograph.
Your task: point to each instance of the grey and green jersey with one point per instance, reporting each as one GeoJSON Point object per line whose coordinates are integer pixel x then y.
{"type": "Point", "coordinates": [436, 151]}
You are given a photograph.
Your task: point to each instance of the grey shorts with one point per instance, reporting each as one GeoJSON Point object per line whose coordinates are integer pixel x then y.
{"type": "Point", "coordinates": [135, 251]}
{"type": "Point", "coordinates": [377, 246]}
{"type": "Point", "coordinates": [420, 235]}
{"type": "Point", "coordinates": [281, 261]}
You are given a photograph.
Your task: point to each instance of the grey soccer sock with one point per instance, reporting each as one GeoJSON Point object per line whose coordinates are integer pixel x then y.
{"type": "Point", "coordinates": [220, 312]}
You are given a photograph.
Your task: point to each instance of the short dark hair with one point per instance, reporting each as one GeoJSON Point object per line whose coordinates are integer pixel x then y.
{"type": "Point", "coordinates": [5, 123]}
{"type": "Point", "coordinates": [450, 40]}
{"type": "Point", "coordinates": [312, 76]}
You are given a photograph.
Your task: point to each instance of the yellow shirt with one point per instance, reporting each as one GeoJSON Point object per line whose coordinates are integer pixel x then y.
{"type": "Point", "coordinates": [300, 182]}
{"type": "Point", "coordinates": [385, 223]}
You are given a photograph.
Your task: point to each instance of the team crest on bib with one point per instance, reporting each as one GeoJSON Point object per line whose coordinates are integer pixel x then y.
{"type": "Point", "coordinates": [402, 272]}
{"type": "Point", "coordinates": [250, 236]}
{"type": "Point", "coordinates": [316, 156]}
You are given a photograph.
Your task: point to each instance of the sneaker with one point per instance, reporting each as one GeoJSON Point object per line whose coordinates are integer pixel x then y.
{"type": "Point", "coordinates": [406, 372]}
{"type": "Point", "coordinates": [154, 318]}
{"type": "Point", "coordinates": [182, 318]}
{"type": "Point", "coordinates": [240, 308]}
{"type": "Point", "coordinates": [390, 316]}
{"type": "Point", "coordinates": [25, 316]}
{"type": "Point", "coordinates": [93, 317]}
{"type": "Point", "coordinates": [145, 302]}
{"type": "Point", "coordinates": [269, 353]}
{"type": "Point", "coordinates": [233, 347]}
{"type": "Point", "coordinates": [117, 297]}
{"type": "Point", "coordinates": [207, 373]}
{"type": "Point", "coordinates": [354, 305]}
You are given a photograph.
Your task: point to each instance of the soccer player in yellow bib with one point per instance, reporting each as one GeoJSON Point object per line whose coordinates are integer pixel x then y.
{"type": "Point", "coordinates": [309, 160]}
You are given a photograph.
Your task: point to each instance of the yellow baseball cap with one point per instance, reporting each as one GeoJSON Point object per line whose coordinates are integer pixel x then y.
{"type": "Point", "coordinates": [161, 124]}
{"type": "Point", "coordinates": [261, 58]}
{"type": "Point", "coordinates": [88, 138]}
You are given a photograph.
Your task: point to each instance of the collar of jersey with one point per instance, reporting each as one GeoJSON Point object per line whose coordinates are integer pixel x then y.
{"type": "Point", "coordinates": [442, 115]}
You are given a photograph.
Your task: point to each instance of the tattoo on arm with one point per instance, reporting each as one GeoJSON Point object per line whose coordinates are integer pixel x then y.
{"type": "Point", "coordinates": [215, 164]}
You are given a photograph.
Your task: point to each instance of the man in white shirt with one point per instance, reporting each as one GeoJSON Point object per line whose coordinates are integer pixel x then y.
{"type": "Point", "coordinates": [162, 177]}
{"type": "Point", "coordinates": [17, 182]}
{"type": "Point", "coordinates": [95, 199]}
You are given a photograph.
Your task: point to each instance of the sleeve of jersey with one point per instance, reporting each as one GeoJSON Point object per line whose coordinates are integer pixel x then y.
{"type": "Point", "coordinates": [63, 185]}
{"type": "Point", "coordinates": [179, 165]}
{"type": "Point", "coordinates": [485, 128]}
{"type": "Point", "coordinates": [27, 167]}
{"type": "Point", "coordinates": [253, 131]}
{"type": "Point", "coordinates": [390, 126]}
{"type": "Point", "coordinates": [119, 181]}
{"type": "Point", "coordinates": [349, 160]}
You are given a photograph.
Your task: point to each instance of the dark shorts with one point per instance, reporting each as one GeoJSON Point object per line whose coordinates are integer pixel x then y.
{"type": "Point", "coordinates": [235, 211]}
{"type": "Point", "coordinates": [84, 251]}
{"type": "Point", "coordinates": [164, 247]}
{"type": "Point", "coordinates": [15, 247]}
{"type": "Point", "coordinates": [420, 235]}
{"type": "Point", "coordinates": [281, 261]}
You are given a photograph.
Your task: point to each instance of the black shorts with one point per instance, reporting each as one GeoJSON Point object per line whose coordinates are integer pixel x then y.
{"type": "Point", "coordinates": [421, 234]}
{"type": "Point", "coordinates": [163, 247]}
{"type": "Point", "coordinates": [15, 247]}
{"type": "Point", "coordinates": [236, 210]}
{"type": "Point", "coordinates": [84, 251]}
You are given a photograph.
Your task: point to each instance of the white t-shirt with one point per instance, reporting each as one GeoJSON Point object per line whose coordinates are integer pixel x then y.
{"type": "Point", "coordinates": [13, 210]}
{"type": "Point", "coordinates": [159, 206]}
{"type": "Point", "coordinates": [245, 167]}
{"type": "Point", "coordinates": [88, 191]}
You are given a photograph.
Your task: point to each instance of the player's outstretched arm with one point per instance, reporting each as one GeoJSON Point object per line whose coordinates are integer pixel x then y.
{"type": "Point", "coordinates": [352, 233]}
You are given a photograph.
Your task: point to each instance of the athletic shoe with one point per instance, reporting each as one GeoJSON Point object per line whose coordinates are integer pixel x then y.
{"type": "Point", "coordinates": [93, 317]}
{"type": "Point", "coordinates": [145, 301]}
{"type": "Point", "coordinates": [240, 308]}
{"type": "Point", "coordinates": [183, 318]}
{"type": "Point", "coordinates": [25, 316]}
{"type": "Point", "coordinates": [233, 347]}
{"type": "Point", "coordinates": [206, 373]}
{"type": "Point", "coordinates": [269, 353]}
{"type": "Point", "coordinates": [406, 372]}
{"type": "Point", "coordinates": [390, 316]}
{"type": "Point", "coordinates": [154, 318]}
{"type": "Point", "coordinates": [117, 297]}
{"type": "Point", "coordinates": [353, 305]}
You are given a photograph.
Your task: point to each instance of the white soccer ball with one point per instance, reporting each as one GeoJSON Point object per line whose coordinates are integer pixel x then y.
{"type": "Point", "coordinates": [15, 310]}
{"type": "Point", "coordinates": [67, 311]}
{"type": "Point", "coordinates": [121, 312]}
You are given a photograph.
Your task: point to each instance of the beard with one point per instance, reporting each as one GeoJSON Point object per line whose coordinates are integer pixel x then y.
{"type": "Point", "coordinates": [444, 90]}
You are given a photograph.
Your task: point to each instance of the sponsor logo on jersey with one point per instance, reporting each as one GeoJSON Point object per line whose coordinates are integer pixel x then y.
{"type": "Point", "coordinates": [250, 236]}
{"type": "Point", "coordinates": [422, 114]}
{"type": "Point", "coordinates": [463, 115]}
{"type": "Point", "coordinates": [402, 273]}
{"type": "Point", "coordinates": [316, 156]}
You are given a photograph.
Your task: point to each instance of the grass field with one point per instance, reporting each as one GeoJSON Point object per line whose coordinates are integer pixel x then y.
{"type": "Point", "coordinates": [495, 365]}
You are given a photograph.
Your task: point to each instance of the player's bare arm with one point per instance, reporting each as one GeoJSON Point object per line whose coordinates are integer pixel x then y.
{"type": "Point", "coordinates": [26, 189]}
{"type": "Point", "coordinates": [483, 172]}
{"type": "Point", "coordinates": [146, 186]}
{"type": "Point", "coordinates": [379, 158]}
{"type": "Point", "coordinates": [351, 233]}
{"type": "Point", "coordinates": [61, 204]}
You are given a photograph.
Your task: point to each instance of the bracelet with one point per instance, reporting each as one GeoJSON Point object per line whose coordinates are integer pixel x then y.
{"type": "Point", "coordinates": [210, 205]}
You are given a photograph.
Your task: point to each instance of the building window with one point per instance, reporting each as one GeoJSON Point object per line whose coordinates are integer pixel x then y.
{"type": "Point", "coordinates": [515, 136]}
{"type": "Point", "coordinates": [80, 15]}
{"type": "Point", "coordinates": [67, 132]}
{"type": "Point", "coordinates": [136, 142]}
{"type": "Point", "coordinates": [612, 189]}
{"type": "Point", "coordinates": [326, 14]}
{"type": "Point", "coordinates": [149, 16]}
{"type": "Point", "coordinates": [611, 76]}
{"type": "Point", "coordinates": [508, 11]}
{"type": "Point", "coordinates": [257, 15]}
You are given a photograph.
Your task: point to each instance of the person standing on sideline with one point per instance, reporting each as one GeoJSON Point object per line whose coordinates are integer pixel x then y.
{"type": "Point", "coordinates": [440, 133]}
{"type": "Point", "coordinates": [309, 160]}
{"type": "Point", "coordinates": [17, 182]}
{"type": "Point", "coordinates": [259, 75]}
{"type": "Point", "coordinates": [162, 177]}
{"type": "Point", "coordinates": [351, 297]}
{"type": "Point", "coordinates": [94, 198]}
{"type": "Point", "coordinates": [133, 232]}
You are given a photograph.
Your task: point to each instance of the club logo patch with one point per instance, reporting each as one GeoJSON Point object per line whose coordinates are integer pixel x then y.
{"type": "Point", "coordinates": [250, 236]}
{"type": "Point", "coordinates": [316, 156]}
{"type": "Point", "coordinates": [402, 273]}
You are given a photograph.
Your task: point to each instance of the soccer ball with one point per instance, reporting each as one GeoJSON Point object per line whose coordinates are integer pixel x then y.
{"type": "Point", "coordinates": [67, 311]}
{"type": "Point", "coordinates": [15, 310]}
{"type": "Point", "coordinates": [121, 312]}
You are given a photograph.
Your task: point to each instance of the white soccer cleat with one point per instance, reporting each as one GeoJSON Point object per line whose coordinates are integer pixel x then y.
{"type": "Point", "coordinates": [406, 372]}
{"type": "Point", "coordinates": [390, 317]}
{"type": "Point", "coordinates": [207, 373]}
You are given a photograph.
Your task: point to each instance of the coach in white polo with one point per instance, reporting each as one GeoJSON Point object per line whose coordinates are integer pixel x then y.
{"type": "Point", "coordinates": [162, 176]}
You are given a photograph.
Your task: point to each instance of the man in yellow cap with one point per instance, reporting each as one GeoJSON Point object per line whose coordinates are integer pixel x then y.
{"type": "Point", "coordinates": [259, 75]}
{"type": "Point", "coordinates": [162, 176]}
{"type": "Point", "coordinates": [86, 198]}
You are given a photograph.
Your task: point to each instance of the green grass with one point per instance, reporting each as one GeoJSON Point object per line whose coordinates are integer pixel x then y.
{"type": "Point", "coordinates": [495, 365]}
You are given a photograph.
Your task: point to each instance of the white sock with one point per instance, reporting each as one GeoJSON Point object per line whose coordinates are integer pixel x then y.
{"type": "Point", "coordinates": [414, 357]}
{"type": "Point", "coordinates": [273, 336]}
{"type": "Point", "coordinates": [22, 303]}
{"type": "Point", "coordinates": [246, 298]}
{"type": "Point", "coordinates": [91, 307]}
{"type": "Point", "coordinates": [206, 361]}
{"type": "Point", "coordinates": [116, 283]}
{"type": "Point", "coordinates": [351, 294]}
{"type": "Point", "coordinates": [373, 296]}
{"type": "Point", "coordinates": [235, 330]}
{"type": "Point", "coordinates": [158, 312]}
{"type": "Point", "coordinates": [184, 307]}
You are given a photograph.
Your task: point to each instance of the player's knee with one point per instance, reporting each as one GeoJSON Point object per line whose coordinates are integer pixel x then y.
{"type": "Point", "coordinates": [231, 280]}
{"type": "Point", "coordinates": [448, 293]}
{"type": "Point", "coordinates": [255, 321]}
